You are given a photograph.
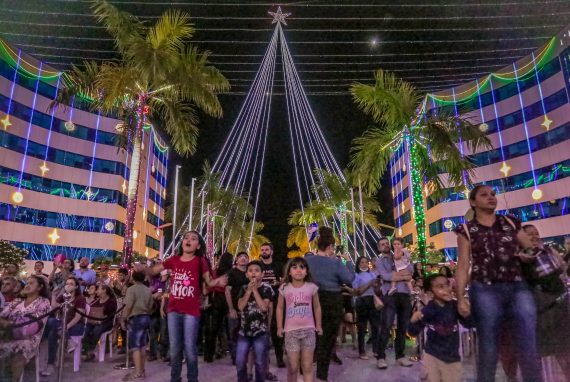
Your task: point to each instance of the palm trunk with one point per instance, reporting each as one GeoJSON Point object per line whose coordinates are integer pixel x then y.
{"type": "Point", "coordinates": [133, 190]}
{"type": "Point", "coordinates": [417, 197]}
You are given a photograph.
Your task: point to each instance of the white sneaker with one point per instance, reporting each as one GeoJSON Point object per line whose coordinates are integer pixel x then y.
{"type": "Point", "coordinates": [404, 362]}
{"type": "Point", "coordinates": [381, 364]}
{"type": "Point", "coordinates": [49, 370]}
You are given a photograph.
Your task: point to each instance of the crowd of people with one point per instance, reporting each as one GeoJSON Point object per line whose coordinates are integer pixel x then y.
{"type": "Point", "coordinates": [506, 285]}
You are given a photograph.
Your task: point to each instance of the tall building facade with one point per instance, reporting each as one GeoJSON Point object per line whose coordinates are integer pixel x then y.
{"type": "Point", "coordinates": [524, 109]}
{"type": "Point", "coordinates": [63, 181]}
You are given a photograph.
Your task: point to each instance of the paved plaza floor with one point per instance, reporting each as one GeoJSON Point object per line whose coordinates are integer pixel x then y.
{"type": "Point", "coordinates": [353, 369]}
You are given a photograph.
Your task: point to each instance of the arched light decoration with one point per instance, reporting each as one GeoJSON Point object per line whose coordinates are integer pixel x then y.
{"type": "Point", "coordinates": [110, 226]}
{"type": "Point", "coordinates": [17, 197]}
{"type": "Point", "coordinates": [53, 236]}
{"type": "Point", "coordinates": [483, 127]}
{"type": "Point", "coordinates": [448, 223]}
{"type": "Point", "coordinates": [536, 194]}
{"type": "Point", "coordinates": [69, 126]}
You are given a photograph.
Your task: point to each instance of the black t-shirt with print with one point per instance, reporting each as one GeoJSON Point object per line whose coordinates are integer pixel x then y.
{"type": "Point", "coordinates": [271, 276]}
{"type": "Point", "coordinates": [253, 320]}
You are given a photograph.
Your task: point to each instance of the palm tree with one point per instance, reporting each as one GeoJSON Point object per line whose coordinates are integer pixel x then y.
{"type": "Point", "coordinates": [332, 195]}
{"type": "Point", "coordinates": [231, 213]}
{"type": "Point", "coordinates": [432, 140]}
{"type": "Point", "coordinates": [158, 78]}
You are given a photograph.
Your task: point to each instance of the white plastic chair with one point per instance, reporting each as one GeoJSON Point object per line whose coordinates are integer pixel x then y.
{"type": "Point", "coordinates": [37, 361]}
{"type": "Point", "coordinates": [103, 343]}
{"type": "Point", "coordinates": [77, 342]}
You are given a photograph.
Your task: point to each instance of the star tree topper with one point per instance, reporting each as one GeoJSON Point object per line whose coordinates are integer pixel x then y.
{"type": "Point", "coordinates": [279, 17]}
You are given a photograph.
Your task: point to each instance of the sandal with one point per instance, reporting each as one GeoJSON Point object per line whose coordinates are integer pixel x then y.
{"type": "Point", "coordinates": [133, 376]}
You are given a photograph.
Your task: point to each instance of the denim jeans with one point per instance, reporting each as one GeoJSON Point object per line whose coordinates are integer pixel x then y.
{"type": "Point", "coordinates": [53, 328]}
{"type": "Point", "coordinates": [492, 304]}
{"type": "Point", "coordinates": [365, 313]}
{"type": "Point", "coordinates": [183, 333]}
{"type": "Point", "coordinates": [400, 305]}
{"type": "Point", "coordinates": [260, 345]}
{"type": "Point", "coordinates": [233, 328]}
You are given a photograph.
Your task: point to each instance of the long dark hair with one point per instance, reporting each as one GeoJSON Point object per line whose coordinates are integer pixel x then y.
{"type": "Point", "coordinates": [77, 291]}
{"type": "Point", "coordinates": [44, 291]}
{"type": "Point", "coordinates": [296, 261]}
{"type": "Point", "coordinates": [326, 238]}
{"type": "Point", "coordinates": [225, 264]}
{"type": "Point", "coordinates": [200, 252]}
{"type": "Point", "coordinates": [357, 265]}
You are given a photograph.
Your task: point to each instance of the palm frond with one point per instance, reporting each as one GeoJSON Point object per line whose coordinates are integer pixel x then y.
{"type": "Point", "coordinates": [371, 155]}
{"type": "Point", "coordinates": [125, 28]}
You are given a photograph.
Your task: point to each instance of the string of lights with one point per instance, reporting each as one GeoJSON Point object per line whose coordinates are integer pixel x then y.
{"type": "Point", "coordinates": [321, 18]}
{"type": "Point", "coordinates": [311, 30]}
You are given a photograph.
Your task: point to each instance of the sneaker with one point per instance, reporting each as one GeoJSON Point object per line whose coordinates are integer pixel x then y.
{"type": "Point", "coordinates": [363, 356]}
{"type": "Point", "coordinates": [404, 362]}
{"type": "Point", "coordinates": [381, 364]}
{"type": "Point", "coordinates": [49, 370]}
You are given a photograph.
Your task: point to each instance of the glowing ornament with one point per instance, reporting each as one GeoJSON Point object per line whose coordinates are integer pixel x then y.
{"type": "Point", "coordinates": [17, 197]}
{"type": "Point", "coordinates": [53, 236]}
{"type": "Point", "coordinates": [142, 145]}
{"type": "Point", "coordinates": [124, 186]}
{"type": "Point", "coordinates": [44, 168]}
{"type": "Point", "coordinates": [426, 190]}
{"type": "Point", "coordinates": [546, 123]}
{"type": "Point", "coordinates": [120, 127]}
{"type": "Point", "coordinates": [154, 209]}
{"type": "Point", "coordinates": [279, 17]}
{"type": "Point", "coordinates": [135, 234]}
{"type": "Point", "coordinates": [393, 193]}
{"type": "Point", "coordinates": [152, 168]}
{"type": "Point", "coordinates": [146, 252]}
{"type": "Point", "coordinates": [483, 127]}
{"type": "Point", "coordinates": [399, 232]}
{"type": "Point", "coordinates": [157, 232]}
{"type": "Point", "coordinates": [144, 213]}
{"type": "Point", "coordinates": [448, 224]}
{"type": "Point", "coordinates": [505, 168]}
{"type": "Point", "coordinates": [69, 126]}
{"type": "Point", "coordinates": [163, 194]}
{"type": "Point", "coordinates": [6, 122]}
{"type": "Point", "coordinates": [404, 168]}
{"type": "Point", "coordinates": [110, 226]}
{"type": "Point", "coordinates": [537, 194]}
{"type": "Point", "coordinates": [466, 193]}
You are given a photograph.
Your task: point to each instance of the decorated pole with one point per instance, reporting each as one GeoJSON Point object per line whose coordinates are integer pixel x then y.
{"type": "Point", "coordinates": [343, 231]}
{"type": "Point", "coordinates": [175, 209]}
{"type": "Point", "coordinates": [362, 219]}
{"type": "Point", "coordinates": [210, 234]}
{"type": "Point", "coordinates": [353, 223]}
{"type": "Point", "coordinates": [134, 176]}
{"type": "Point", "coordinates": [191, 204]}
{"type": "Point", "coordinates": [418, 200]}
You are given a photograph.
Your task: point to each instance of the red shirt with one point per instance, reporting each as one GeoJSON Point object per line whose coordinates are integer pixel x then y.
{"type": "Point", "coordinates": [185, 284]}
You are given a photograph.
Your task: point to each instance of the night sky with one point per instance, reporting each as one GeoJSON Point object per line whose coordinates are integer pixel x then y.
{"type": "Point", "coordinates": [433, 44]}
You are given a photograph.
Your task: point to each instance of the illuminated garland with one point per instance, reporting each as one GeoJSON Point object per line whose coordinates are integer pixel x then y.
{"type": "Point", "coordinates": [521, 73]}
{"type": "Point", "coordinates": [418, 203]}
{"type": "Point", "coordinates": [343, 230]}
{"type": "Point", "coordinates": [10, 57]}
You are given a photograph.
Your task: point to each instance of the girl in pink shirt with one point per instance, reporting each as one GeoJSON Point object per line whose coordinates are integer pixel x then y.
{"type": "Point", "coordinates": [299, 297]}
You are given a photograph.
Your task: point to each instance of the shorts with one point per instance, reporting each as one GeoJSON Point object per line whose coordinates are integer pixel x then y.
{"type": "Point", "coordinates": [300, 339]}
{"type": "Point", "coordinates": [138, 327]}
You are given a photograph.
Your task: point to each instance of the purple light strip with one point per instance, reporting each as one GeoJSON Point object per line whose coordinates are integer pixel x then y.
{"type": "Point", "coordinates": [29, 130]}
{"type": "Point", "coordinates": [94, 151]}
{"type": "Point", "coordinates": [146, 182]}
{"type": "Point", "coordinates": [48, 140]}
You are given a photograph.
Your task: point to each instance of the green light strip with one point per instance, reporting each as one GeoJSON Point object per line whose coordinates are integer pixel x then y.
{"type": "Point", "coordinates": [527, 71]}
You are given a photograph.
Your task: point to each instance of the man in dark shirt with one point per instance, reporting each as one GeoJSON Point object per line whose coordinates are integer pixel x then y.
{"type": "Point", "coordinates": [272, 276]}
{"type": "Point", "coordinates": [236, 280]}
